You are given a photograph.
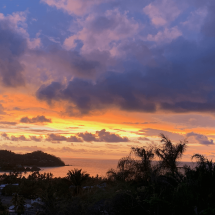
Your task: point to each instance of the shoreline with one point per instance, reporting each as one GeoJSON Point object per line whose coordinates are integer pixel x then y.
{"type": "Point", "coordinates": [41, 167]}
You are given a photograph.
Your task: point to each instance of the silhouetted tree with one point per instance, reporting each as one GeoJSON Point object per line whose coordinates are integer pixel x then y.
{"type": "Point", "coordinates": [77, 177]}
{"type": "Point", "coordinates": [138, 168]}
{"type": "Point", "coordinates": [170, 153]}
{"type": "Point", "coordinates": [144, 165]}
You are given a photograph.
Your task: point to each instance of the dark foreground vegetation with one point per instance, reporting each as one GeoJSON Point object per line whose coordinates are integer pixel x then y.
{"type": "Point", "coordinates": [11, 161]}
{"type": "Point", "coordinates": [137, 186]}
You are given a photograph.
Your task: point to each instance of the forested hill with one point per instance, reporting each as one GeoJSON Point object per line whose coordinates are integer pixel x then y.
{"type": "Point", "coordinates": [37, 158]}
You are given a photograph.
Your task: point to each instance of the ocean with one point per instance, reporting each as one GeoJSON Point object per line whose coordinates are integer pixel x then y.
{"type": "Point", "coordinates": [90, 166]}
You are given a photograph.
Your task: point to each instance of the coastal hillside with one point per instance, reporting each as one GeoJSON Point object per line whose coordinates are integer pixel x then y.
{"type": "Point", "coordinates": [36, 158]}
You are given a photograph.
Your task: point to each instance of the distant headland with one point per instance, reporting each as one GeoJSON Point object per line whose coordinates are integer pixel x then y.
{"type": "Point", "coordinates": [10, 161]}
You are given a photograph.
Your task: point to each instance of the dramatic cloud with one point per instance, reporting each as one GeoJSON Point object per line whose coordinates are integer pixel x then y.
{"type": "Point", "coordinates": [145, 62]}
{"type": "Point", "coordinates": [110, 91]}
{"type": "Point", "coordinates": [38, 119]}
{"type": "Point", "coordinates": [175, 84]}
{"type": "Point", "coordinates": [102, 136]}
{"type": "Point", "coordinates": [201, 139]}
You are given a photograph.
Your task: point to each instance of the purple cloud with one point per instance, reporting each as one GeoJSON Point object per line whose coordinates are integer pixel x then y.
{"type": "Point", "coordinates": [37, 119]}
{"type": "Point", "coordinates": [58, 138]}
{"type": "Point", "coordinates": [201, 139]}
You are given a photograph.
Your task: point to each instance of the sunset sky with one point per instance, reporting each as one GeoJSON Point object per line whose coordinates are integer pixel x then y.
{"type": "Point", "coordinates": [92, 78]}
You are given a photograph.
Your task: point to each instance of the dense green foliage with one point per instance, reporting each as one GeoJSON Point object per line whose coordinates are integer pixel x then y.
{"type": "Point", "coordinates": [10, 161]}
{"type": "Point", "coordinates": [138, 186]}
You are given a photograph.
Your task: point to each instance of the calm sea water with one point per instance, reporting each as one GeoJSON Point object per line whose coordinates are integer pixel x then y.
{"type": "Point", "coordinates": [91, 166]}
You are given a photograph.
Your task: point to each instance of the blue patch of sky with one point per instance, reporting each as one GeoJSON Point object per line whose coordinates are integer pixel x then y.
{"type": "Point", "coordinates": [53, 24]}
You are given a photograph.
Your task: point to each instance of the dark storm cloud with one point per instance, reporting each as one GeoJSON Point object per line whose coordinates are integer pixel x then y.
{"type": "Point", "coordinates": [12, 46]}
{"type": "Point", "coordinates": [113, 89]}
{"type": "Point", "coordinates": [181, 81]}
{"type": "Point", "coordinates": [38, 119]}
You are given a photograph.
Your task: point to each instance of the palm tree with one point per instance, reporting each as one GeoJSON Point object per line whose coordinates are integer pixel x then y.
{"type": "Point", "coordinates": [144, 164]}
{"type": "Point", "coordinates": [77, 177]}
{"type": "Point", "coordinates": [138, 168]}
{"type": "Point", "coordinates": [125, 170]}
{"type": "Point", "coordinates": [170, 153]}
